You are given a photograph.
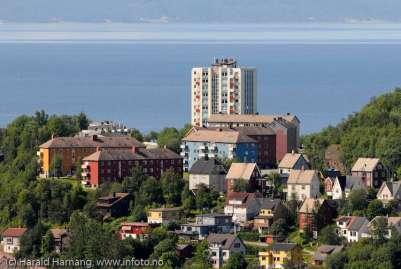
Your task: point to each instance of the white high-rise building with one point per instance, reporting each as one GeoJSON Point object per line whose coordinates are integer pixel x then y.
{"type": "Point", "coordinates": [223, 88]}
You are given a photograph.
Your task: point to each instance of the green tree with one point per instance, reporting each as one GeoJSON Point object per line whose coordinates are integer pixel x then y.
{"type": "Point", "coordinates": [48, 243]}
{"type": "Point", "coordinates": [169, 137]}
{"type": "Point", "coordinates": [329, 236]}
{"type": "Point", "coordinates": [375, 208]}
{"type": "Point", "coordinates": [205, 197]}
{"type": "Point", "coordinates": [236, 261]}
{"type": "Point", "coordinates": [172, 186]}
{"type": "Point", "coordinates": [358, 200]}
{"type": "Point", "coordinates": [241, 185]}
{"type": "Point", "coordinates": [56, 166]}
{"type": "Point", "coordinates": [135, 133]}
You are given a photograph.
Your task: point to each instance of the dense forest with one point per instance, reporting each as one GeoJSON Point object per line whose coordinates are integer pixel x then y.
{"type": "Point", "coordinates": [372, 132]}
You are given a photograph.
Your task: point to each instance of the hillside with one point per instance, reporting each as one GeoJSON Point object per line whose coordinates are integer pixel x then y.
{"type": "Point", "coordinates": [238, 11]}
{"type": "Point", "coordinates": [375, 131]}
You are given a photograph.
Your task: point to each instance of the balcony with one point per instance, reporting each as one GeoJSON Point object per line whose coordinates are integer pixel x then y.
{"type": "Point", "coordinates": [85, 165]}
{"type": "Point", "coordinates": [85, 174]}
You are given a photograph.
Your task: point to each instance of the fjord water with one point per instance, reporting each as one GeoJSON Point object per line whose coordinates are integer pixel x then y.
{"type": "Point", "coordinates": [140, 74]}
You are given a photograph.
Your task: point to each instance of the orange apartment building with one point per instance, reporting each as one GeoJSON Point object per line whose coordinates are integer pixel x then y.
{"type": "Point", "coordinates": [72, 150]}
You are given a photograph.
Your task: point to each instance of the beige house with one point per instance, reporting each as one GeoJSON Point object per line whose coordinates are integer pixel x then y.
{"type": "Point", "coordinates": [11, 239]}
{"type": "Point", "coordinates": [393, 224]}
{"type": "Point", "coordinates": [293, 161]}
{"type": "Point", "coordinates": [244, 171]}
{"type": "Point", "coordinates": [389, 191]}
{"type": "Point", "coordinates": [208, 172]}
{"type": "Point", "coordinates": [164, 215]}
{"type": "Point", "coordinates": [302, 184]}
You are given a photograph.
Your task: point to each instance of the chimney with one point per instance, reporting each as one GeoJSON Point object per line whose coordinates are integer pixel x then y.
{"type": "Point", "coordinates": [94, 137]}
{"type": "Point", "coordinates": [53, 136]}
{"type": "Point", "coordinates": [114, 194]}
{"type": "Point", "coordinates": [97, 149]}
{"type": "Point", "coordinates": [133, 149]}
{"type": "Point", "coordinates": [303, 167]}
{"type": "Point", "coordinates": [292, 152]}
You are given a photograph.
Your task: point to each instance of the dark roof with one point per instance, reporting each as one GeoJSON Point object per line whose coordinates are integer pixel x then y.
{"type": "Point", "coordinates": [283, 246]}
{"type": "Point", "coordinates": [245, 197]}
{"type": "Point", "coordinates": [109, 201]}
{"type": "Point", "coordinates": [92, 142]}
{"type": "Point", "coordinates": [207, 167]}
{"type": "Point", "coordinates": [354, 182]}
{"type": "Point", "coordinates": [325, 250]}
{"type": "Point", "coordinates": [266, 203]}
{"type": "Point", "coordinates": [127, 154]}
{"type": "Point", "coordinates": [165, 209]}
{"type": "Point", "coordinates": [213, 215]}
{"type": "Point", "coordinates": [225, 240]}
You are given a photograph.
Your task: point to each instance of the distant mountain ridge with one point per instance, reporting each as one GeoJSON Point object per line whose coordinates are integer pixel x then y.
{"type": "Point", "coordinates": [241, 11]}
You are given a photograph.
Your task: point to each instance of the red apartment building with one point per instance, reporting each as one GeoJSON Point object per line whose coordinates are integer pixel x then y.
{"type": "Point", "coordinates": [114, 165]}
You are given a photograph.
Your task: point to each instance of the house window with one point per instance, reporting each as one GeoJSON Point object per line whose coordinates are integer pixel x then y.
{"type": "Point", "coordinates": [237, 245]}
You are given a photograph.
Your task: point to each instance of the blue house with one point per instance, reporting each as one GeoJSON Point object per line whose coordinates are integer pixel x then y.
{"type": "Point", "coordinates": [223, 143]}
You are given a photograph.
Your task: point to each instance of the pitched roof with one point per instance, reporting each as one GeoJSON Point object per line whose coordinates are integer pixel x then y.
{"type": "Point", "coordinates": [136, 224]}
{"type": "Point", "coordinates": [354, 183]}
{"type": "Point", "coordinates": [14, 232]}
{"type": "Point", "coordinates": [109, 201]}
{"type": "Point", "coordinates": [393, 186]}
{"type": "Point", "coordinates": [127, 154]}
{"type": "Point", "coordinates": [365, 164]}
{"type": "Point", "coordinates": [217, 136]}
{"type": "Point", "coordinates": [225, 240]}
{"type": "Point", "coordinates": [325, 250]}
{"type": "Point", "coordinates": [266, 203]}
{"type": "Point", "coordinates": [302, 176]}
{"type": "Point", "coordinates": [207, 167]}
{"type": "Point", "coordinates": [241, 171]}
{"type": "Point", "coordinates": [290, 159]}
{"type": "Point", "coordinates": [354, 223]}
{"type": "Point", "coordinates": [283, 246]}
{"type": "Point", "coordinates": [244, 197]}
{"type": "Point", "coordinates": [92, 142]}
{"type": "Point", "coordinates": [250, 118]}
{"type": "Point", "coordinates": [310, 204]}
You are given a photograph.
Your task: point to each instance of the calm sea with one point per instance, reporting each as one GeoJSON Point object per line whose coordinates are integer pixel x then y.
{"type": "Point", "coordinates": [140, 74]}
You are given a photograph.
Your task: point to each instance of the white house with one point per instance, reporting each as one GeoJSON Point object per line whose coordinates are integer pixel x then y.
{"type": "Point", "coordinates": [221, 246]}
{"type": "Point", "coordinates": [11, 239]}
{"type": "Point", "coordinates": [393, 223]}
{"type": "Point", "coordinates": [389, 191]}
{"type": "Point", "coordinates": [344, 185]}
{"type": "Point", "coordinates": [208, 172]}
{"type": "Point", "coordinates": [293, 161]}
{"type": "Point", "coordinates": [242, 206]}
{"type": "Point", "coordinates": [302, 184]}
{"type": "Point", "coordinates": [352, 228]}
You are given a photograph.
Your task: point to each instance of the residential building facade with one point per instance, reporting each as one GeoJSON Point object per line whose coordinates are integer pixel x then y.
{"type": "Point", "coordinates": [164, 215]}
{"type": "Point", "coordinates": [286, 127]}
{"type": "Point", "coordinates": [389, 191]}
{"type": "Point", "coordinates": [222, 88]}
{"type": "Point", "coordinates": [113, 206]}
{"type": "Point", "coordinates": [11, 239]}
{"type": "Point", "coordinates": [135, 230]}
{"type": "Point", "coordinates": [221, 246]}
{"type": "Point", "coordinates": [209, 172]}
{"type": "Point", "coordinates": [315, 214]}
{"type": "Point", "coordinates": [302, 184]}
{"type": "Point", "coordinates": [293, 161]}
{"type": "Point", "coordinates": [352, 228]}
{"type": "Point", "coordinates": [242, 206]}
{"type": "Point", "coordinates": [280, 254]}
{"type": "Point", "coordinates": [203, 143]}
{"type": "Point", "coordinates": [114, 165]}
{"type": "Point", "coordinates": [372, 171]}
{"type": "Point", "coordinates": [71, 150]}
{"type": "Point", "coordinates": [249, 172]}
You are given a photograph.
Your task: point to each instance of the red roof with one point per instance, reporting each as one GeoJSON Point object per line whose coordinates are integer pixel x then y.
{"type": "Point", "coordinates": [137, 224]}
{"type": "Point", "coordinates": [14, 232]}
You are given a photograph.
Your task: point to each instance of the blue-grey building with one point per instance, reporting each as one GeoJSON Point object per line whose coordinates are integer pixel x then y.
{"type": "Point", "coordinates": [206, 224]}
{"type": "Point", "coordinates": [204, 143]}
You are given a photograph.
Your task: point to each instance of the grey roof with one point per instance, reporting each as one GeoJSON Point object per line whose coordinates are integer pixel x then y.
{"type": "Point", "coordinates": [394, 187]}
{"type": "Point", "coordinates": [207, 167]}
{"type": "Point", "coordinates": [225, 240]}
{"type": "Point", "coordinates": [266, 203]}
{"type": "Point", "coordinates": [357, 223]}
{"type": "Point", "coordinates": [283, 246]}
{"type": "Point", "coordinates": [354, 183]}
{"type": "Point", "coordinates": [325, 250]}
{"type": "Point", "coordinates": [213, 215]}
